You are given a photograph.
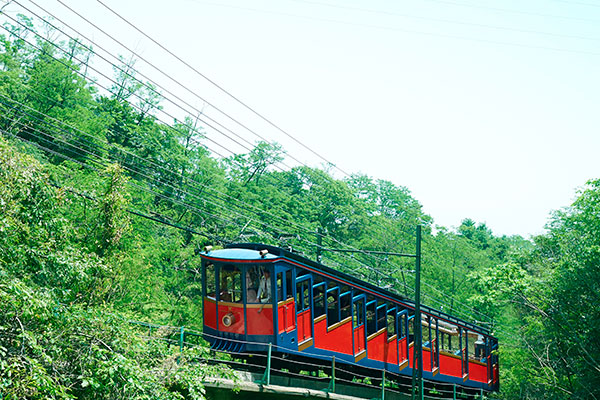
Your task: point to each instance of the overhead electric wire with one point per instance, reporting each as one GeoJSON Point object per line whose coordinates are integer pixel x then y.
{"type": "Point", "coordinates": [511, 11]}
{"type": "Point", "coordinates": [418, 32]}
{"type": "Point", "coordinates": [220, 87]}
{"type": "Point", "coordinates": [163, 196]}
{"type": "Point", "coordinates": [113, 93]}
{"type": "Point", "coordinates": [311, 243]}
{"type": "Point", "coordinates": [144, 84]}
{"type": "Point", "coordinates": [175, 81]}
{"type": "Point", "coordinates": [449, 21]}
{"type": "Point", "coordinates": [114, 82]}
{"type": "Point", "coordinates": [238, 225]}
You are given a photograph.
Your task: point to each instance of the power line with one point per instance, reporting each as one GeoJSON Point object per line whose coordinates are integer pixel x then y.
{"type": "Point", "coordinates": [449, 21]}
{"type": "Point", "coordinates": [220, 88]}
{"type": "Point", "coordinates": [141, 74]}
{"type": "Point", "coordinates": [416, 32]}
{"type": "Point", "coordinates": [185, 87]}
{"type": "Point", "coordinates": [40, 49]}
{"type": "Point", "coordinates": [511, 11]}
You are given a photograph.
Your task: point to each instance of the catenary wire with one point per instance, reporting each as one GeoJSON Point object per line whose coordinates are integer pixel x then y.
{"type": "Point", "coordinates": [186, 88]}
{"type": "Point", "coordinates": [221, 88]}
{"type": "Point", "coordinates": [61, 49]}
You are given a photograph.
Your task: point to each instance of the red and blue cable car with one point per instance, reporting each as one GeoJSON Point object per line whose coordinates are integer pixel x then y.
{"type": "Point", "coordinates": [256, 294]}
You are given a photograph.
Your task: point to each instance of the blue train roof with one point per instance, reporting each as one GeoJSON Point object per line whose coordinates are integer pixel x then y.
{"type": "Point", "coordinates": [239, 254]}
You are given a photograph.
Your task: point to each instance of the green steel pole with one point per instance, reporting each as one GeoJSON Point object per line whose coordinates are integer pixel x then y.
{"type": "Point", "coordinates": [333, 374]}
{"type": "Point", "coordinates": [417, 323]}
{"type": "Point", "coordinates": [181, 337]}
{"type": "Point", "coordinates": [383, 384]}
{"type": "Point", "coordinates": [454, 392]}
{"type": "Point", "coordinates": [269, 366]}
{"type": "Point", "coordinates": [319, 244]}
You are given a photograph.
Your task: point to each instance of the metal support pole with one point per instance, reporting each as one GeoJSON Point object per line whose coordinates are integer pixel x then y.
{"type": "Point", "coordinates": [454, 392]}
{"type": "Point", "coordinates": [481, 393]}
{"type": "Point", "coordinates": [332, 383]}
{"type": "Point", "coordinates": [268, 371]}
{"type": "Point", "coordinates": [383, 384]}
{"type": "Point", "coordinates": [181, 337]}
{"type": "Point", "coordinates": [333, 374]}
{"type": "Point", "coordinates": [418, 347]}
{"type": "Point", "coordinates": [319, 244]}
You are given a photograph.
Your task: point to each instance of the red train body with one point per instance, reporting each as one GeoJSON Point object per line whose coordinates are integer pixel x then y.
{"type": "Point", "coordinates": [256, 294]}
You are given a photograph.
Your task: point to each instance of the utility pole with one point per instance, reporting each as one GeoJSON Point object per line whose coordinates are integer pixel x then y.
{"type": "Point", "coordinates": [319, 244]}
{"type": "Point", "coordinates": [418, 347]}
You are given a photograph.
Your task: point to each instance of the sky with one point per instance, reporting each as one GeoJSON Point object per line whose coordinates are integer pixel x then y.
{"type": "Point", "coordinates": [483, 109]}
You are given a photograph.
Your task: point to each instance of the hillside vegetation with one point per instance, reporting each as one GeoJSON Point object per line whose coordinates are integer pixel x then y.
{"type": "Point", "coordinates": [104, 209]}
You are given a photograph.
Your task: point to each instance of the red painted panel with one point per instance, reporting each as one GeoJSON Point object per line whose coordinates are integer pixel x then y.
{"type": "Point", "coordinates": [391, 355]}
{"type": "Point", "coordinates": [304, 331]}
{"type": "Point", "coordinates": [210, 313]}
{"type": "Point", "coordinates": [477, 372]}
{"type": "Point", "coordinates": [259, 320]}
{"type": "Point", "coordinates": [379, 349]}
{"type": "Point", "coordinates": [308, 324]}
{"type": "Point", "coordinates": [281, 319]}
{"type": "Point", "coordinates": [238, 313]}
{"type": "Point", "coordinates": [359, 339]}
{"type": "Point", "coordinates": [286, 317]}
{"type": "Point", "coordinates": [403, 352]}
{"type": "Point", "coordinates": [426, 360]}
{"type": "Point", "coordinates": [376, 347]}
{"type": "Point", "coordinates": [290, 317]}
{"type": "Point", "coordinates": [450, 366]}
{"type": "Point", "coordinates": [337, 339]}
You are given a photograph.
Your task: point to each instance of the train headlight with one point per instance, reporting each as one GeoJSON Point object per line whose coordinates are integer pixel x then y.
{"type": "Point", "coordinates": [228, 319]}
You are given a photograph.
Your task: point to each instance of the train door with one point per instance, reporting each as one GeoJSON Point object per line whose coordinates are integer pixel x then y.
{"type": "Point", "coordinates": [402, 320]}
{"type": "Point", "coordinates": [286, 316]}
{"type": "Point", "coordinates": [304, 311]}
{"type": "Point", "coordinates": [434, 344]}
{"type": "Point", "coordinates": [358, 326]}
{"type": "Point", "coordinates": [464, 352]}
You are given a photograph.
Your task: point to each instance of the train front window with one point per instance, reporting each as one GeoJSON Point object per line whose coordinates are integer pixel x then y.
{"type": "Point", "coordinates": [263, 295]}
{"type": "Point", "coordinates": [280, 286]}
{"type": "Point", "coordinates": [254, 277]}
{"type": "Point", "coordinates": [211, 281]}
{"type": "Point", "coordinates": [230, 284]}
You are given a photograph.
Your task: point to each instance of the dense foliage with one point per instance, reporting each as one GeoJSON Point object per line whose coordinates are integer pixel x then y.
{"type": "Point", "coordinates": [104, 207]}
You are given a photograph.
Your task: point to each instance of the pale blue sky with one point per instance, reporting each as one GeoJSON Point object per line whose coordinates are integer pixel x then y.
{"type": "Point", "coordinates": [480, 111]}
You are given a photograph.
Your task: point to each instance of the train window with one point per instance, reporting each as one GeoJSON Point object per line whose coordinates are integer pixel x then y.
{"type": "Point", "coordinates": [371, 320]}
{"type": "Point", "coordinates": [391, 321]}
{"type": "Point", "coordinates": [426, 331]}
{"type": "Point", "coordinates": [411, 326]}
{"type": "Point", "coordinates": [230, 288]}
{"type": "Point", "coordinates": [306, 294]}
{"type": "Point", "coordinates": [280, 286]}
{"type": "Point", "coordinates": [401, 325]}
{"type": "Point", "coordinates": [333, 306]}
{"type": "Point", "coordinates": [319, 299]}
{"type": "Point", "coordinates": [211, 281]}
{"type": "Point", "coordinates": [288, 284]}
{"type": "Point", "coordinates": [253, 279]}
{"type": "Point", "coordinates": [358, 317]}
{"type": "Point", "coordinates": [345, 305]}
{"type": "Point", "coordinates": [298, 296]}
{"type": "Point", "coordinates": [381, 317]}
